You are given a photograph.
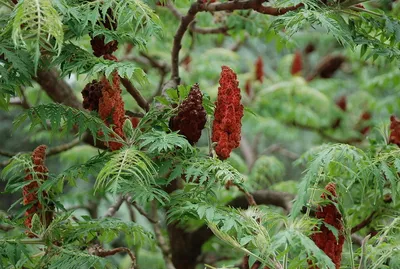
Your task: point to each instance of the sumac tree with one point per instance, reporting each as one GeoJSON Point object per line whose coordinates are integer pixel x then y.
{"type": "Point", "coordinates": [199, 134]}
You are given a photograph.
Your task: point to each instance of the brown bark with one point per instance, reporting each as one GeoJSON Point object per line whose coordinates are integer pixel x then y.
{"type": "Point", "coordinates": [57, 89]}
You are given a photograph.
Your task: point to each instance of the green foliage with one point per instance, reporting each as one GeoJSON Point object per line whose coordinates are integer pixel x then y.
{"type": "Point", "coordinates": [71, 258]}
{"type": "Point", "coordinates": [60, 118]}
{"type": "Point", "coordinates": [16, 70]}
{"type": "Point", "coordinates": [208, 171]}
{"type": "Point", "coordinates": [37, 25]}
{"type": "Point", "coordinates": [130, 171]}
{"type": "Point", "coordinates": [131, 15]}
{"type": "Point", "coordinates": [106, 230]}
{"type": "Point", "coordinates": [266, 171]}
{"type": "Point", "coordinates": [162, 143]}
{"type": "Point", "coordinates": [158, 167]}
{"type": "Point", "coordinates": [74, 59]}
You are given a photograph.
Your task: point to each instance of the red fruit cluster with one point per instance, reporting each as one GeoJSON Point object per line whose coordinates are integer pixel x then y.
{"type": "Point", "coordinates": [259, 69]}
{"type": "Point", "coordinates": [111, 108]}
{"type": "Point", "coordinates": [394, 137]}
{"type": "Point", "coordinates": [29, 192]}
{"type": "Point", "coordinates": [297, 64]}
{"type": "Point", "coordinates": [105, 98]}
{"type": "Point", "coordinates": [191, 117]}
{"type": "Point", "coordinates": [91, 95]}
{"type": "Point", "coordinates": [227, 115]}
{"type": "Point", "coordinates": [324, 238]}
{"type": "Point", "coordinates": [101, 48]}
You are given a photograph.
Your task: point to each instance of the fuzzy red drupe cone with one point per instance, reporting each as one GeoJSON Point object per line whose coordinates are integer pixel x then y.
{"type": "Point", "coordinates": [259, 69]}
{"type": "Point", "coordinates": [394, 137]}
{"type": "Point", "coordinates": [99, 46]}
{"type": "Point", "coordinates": [29, 192]}
{"type": "Point", "coordinates": [297, 64]}
{"type": "Point", "coordinates": [91, 95]}
{"type": "Point", "coordinates": [191, 117]}
{"type": "Point", "coordinates": [324, 238]}
{"type": "Point", "coordinates": [111, 107]}
{"type": "Point", "coordinates": [227, 115]}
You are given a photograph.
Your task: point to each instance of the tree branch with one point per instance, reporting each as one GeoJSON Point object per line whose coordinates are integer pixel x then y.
{"type": "Point", "coordinates": [57, 89]}
{"type": "Point", "coordinates": [112, 210]}
{"type": "Point", "coordinates": [208, 30]}
{"type": "Point", "coordinates": [99, 251]}
{"type": "Point", "coordinates": [135, 94]}
{"type": "Point", "coordinates": [265, 197]}
{"type": "Point", "coordinates": [256, 5]}
{"type": "Point", "coordinates": [321, 132]}
{"type": "Point", "coordinates": [143, 212]}
{"type": "Point", "coordinates": [363, 223]}
{"type": "Point", "coordinates": [64, 147]}
{"type": "Point", "coordinates": [50, 152]}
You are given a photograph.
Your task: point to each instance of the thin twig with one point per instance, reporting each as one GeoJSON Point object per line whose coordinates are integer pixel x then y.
{"type": "Point", "coordinates": [249, 196]}
{"type": "Point", "coordinates": [132, 214]}
{"type": "Point", "coordinates": [321, 132]}
{"type": "Point", "coordinates": [112, 210]}
{"type": "Point", "coordinates": [99, 251]}
{"type": "Point", "coordinates": [235, 47]}
{"type": "Point", "coordinates": [143, 212]}
{"type": "Point", "coordinates": [174, 10]}
{"type": "Point", "coordinates": [134, 114]}
{"type": "Point", "coordinates": [50, 152]}
{"type": "Point", "coordinates": [247, 151]}
{"type": "Point", "coordinates": [159, 88]}
{"type": "Point", "coordinates": [277, 148]}
{"type": "Point", "coordinates": [64, 147]}
{"type": "Point", "coordinates": [6, 228]}
{"type": "Point", "coordinates": [6, 153]}
{"type": "Point", "coordinates": [162, 66]}
{"type": "Point", "coordinates": [363, 223]}
{"type": "Point", "coordinates": [208, 30]}
{"type": "Point", "coordinates": [256, 5]}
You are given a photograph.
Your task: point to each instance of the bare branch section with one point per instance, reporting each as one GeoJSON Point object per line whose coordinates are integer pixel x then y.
{"type": "Point", "coordinates": [112, 210]}
{"type": "Point", "coordinates": [135, 94]}
{"type": "Point", "coordinates": [99, 251]}
{"type": "Point", "coordinates": [57, 89]}
{"type": "Point", "coordinates": [50, 152]}
{"type": "Point", "coordinates": [363, 223]}
{"type": "Point", "coordinates": [322, 132]}
{"type": "Point", "coordinates": [144, 213]}
{"type": "Point", "coordinates": [256, 5]}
